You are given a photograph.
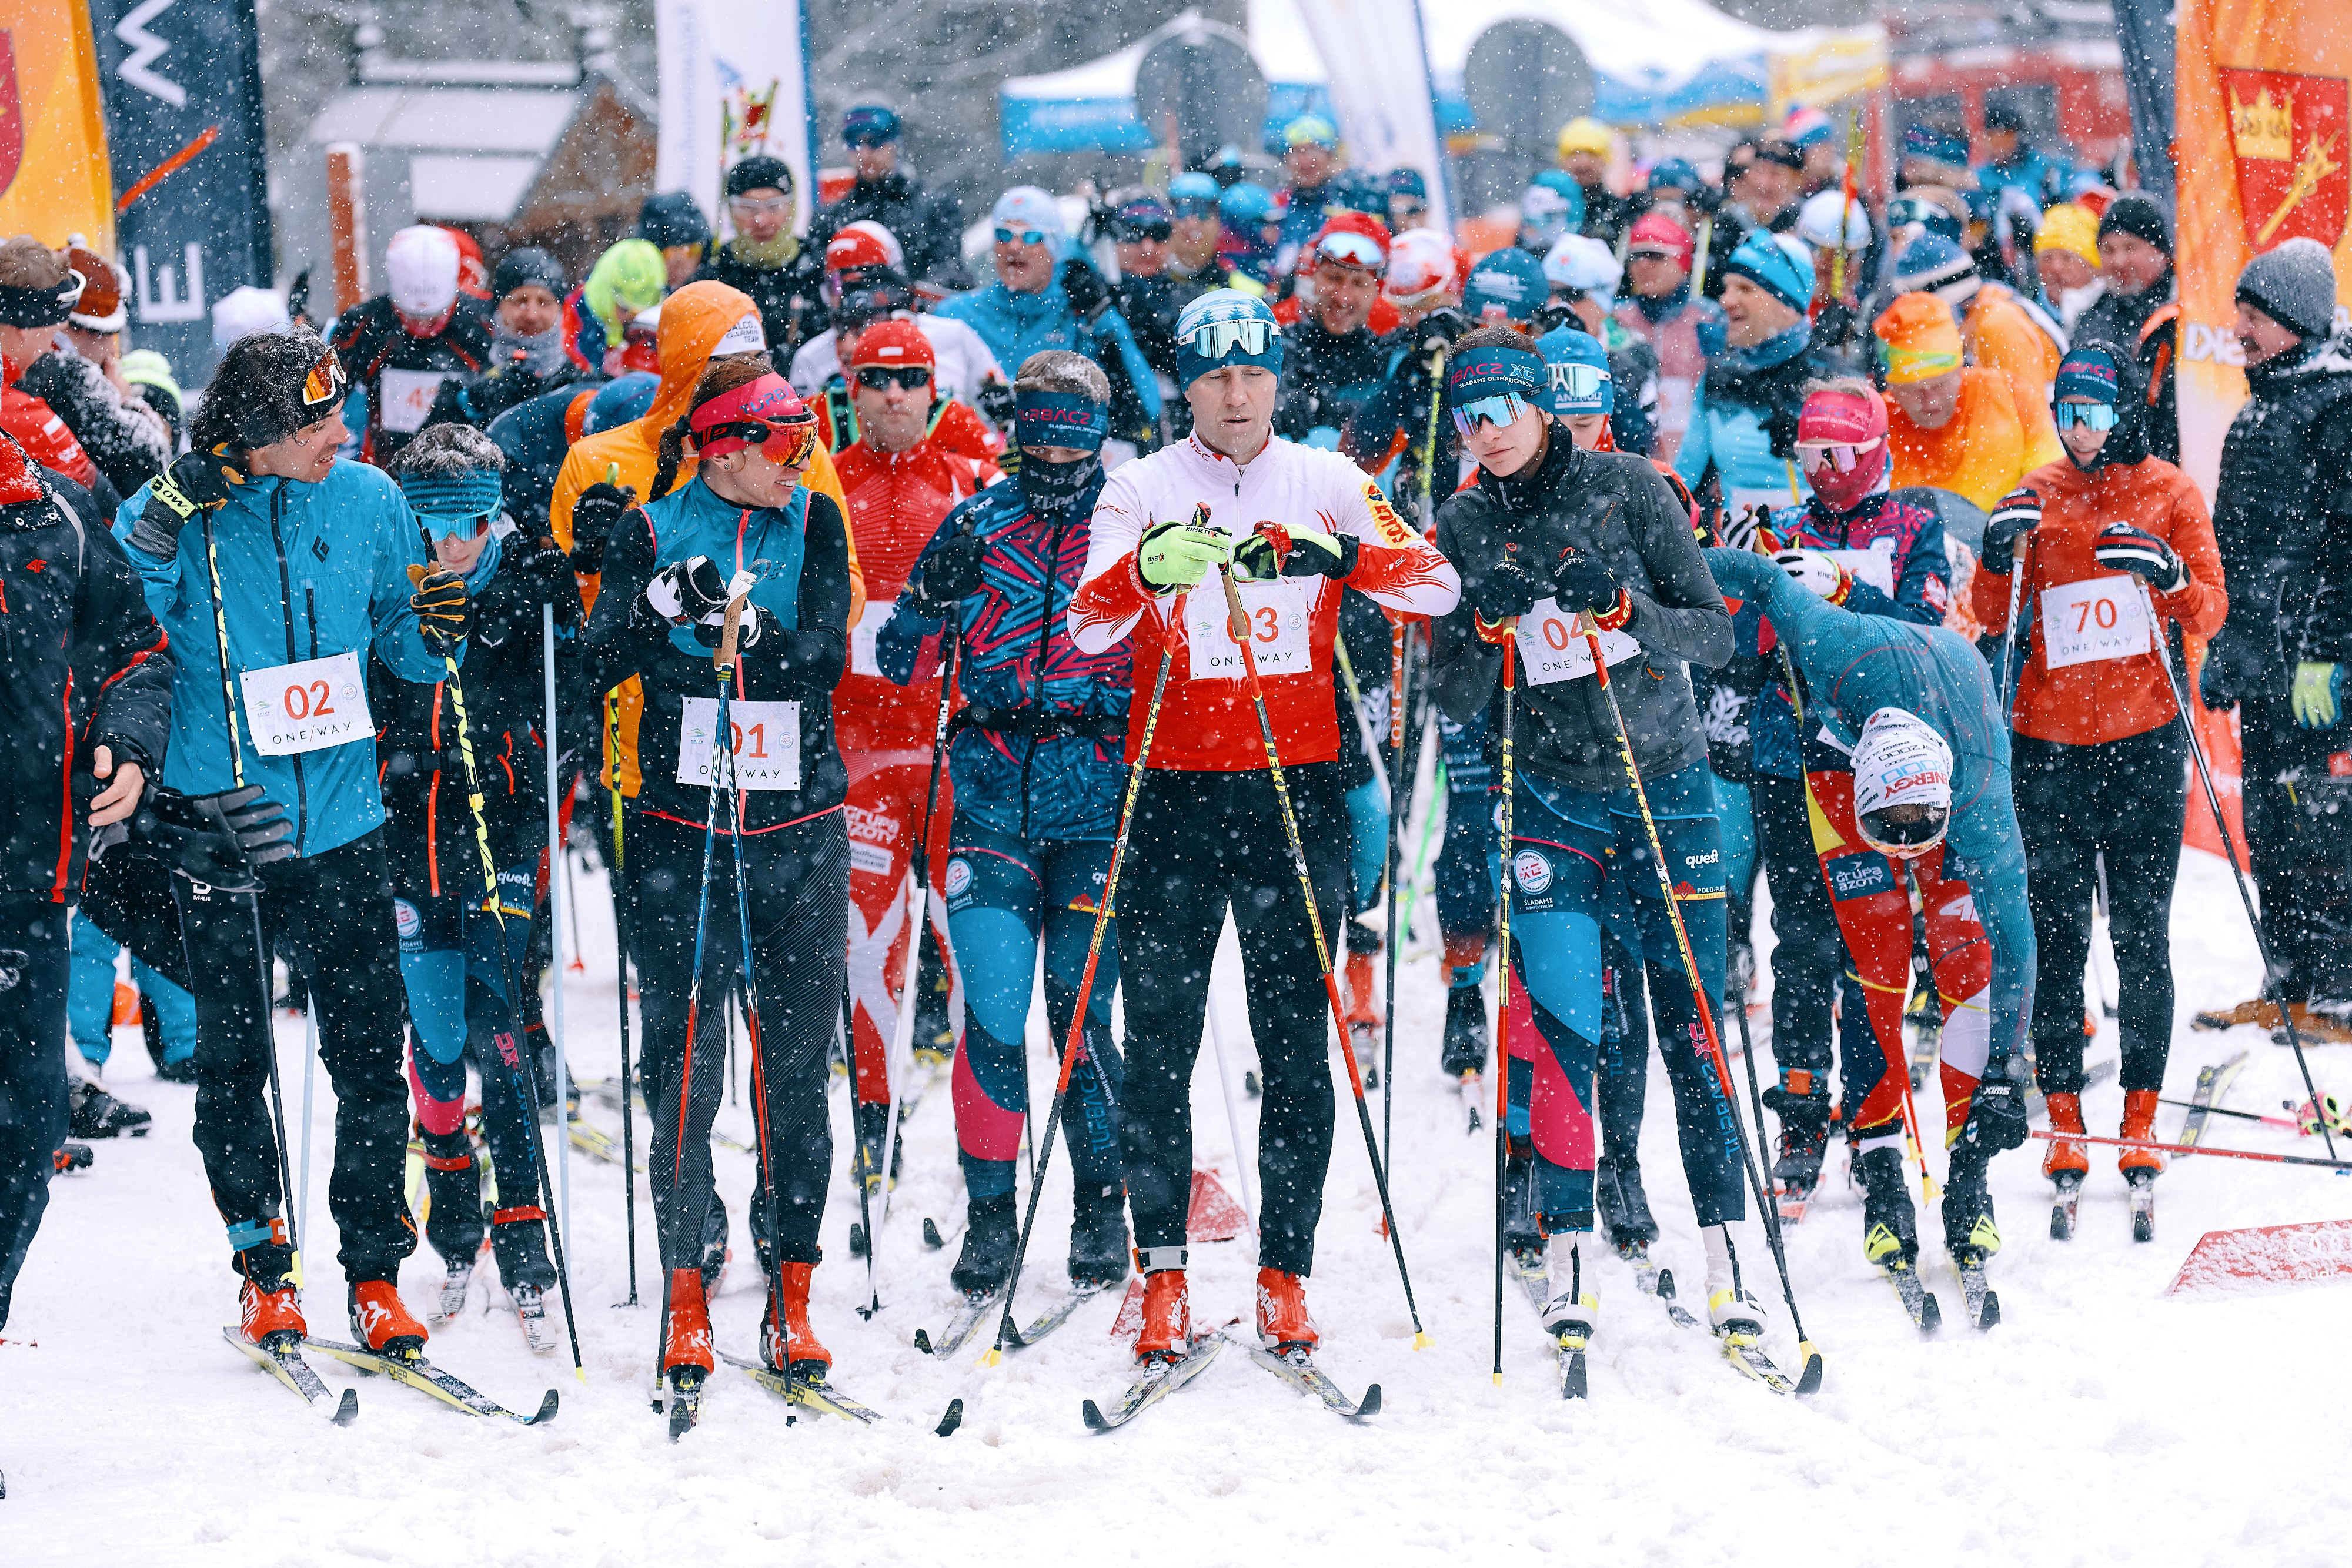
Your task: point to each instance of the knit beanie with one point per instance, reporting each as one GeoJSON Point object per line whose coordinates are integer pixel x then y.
{"type": "Point", "coordinates": [1931, 265]}
{"type": "Point", "coordinates": [1226, 327]}
{"type": "Point", "coordinates": [1917, 340]}
{"type": "Point", "coordinates": [2293, 286]}
{"type": "Point", "coordinates": [2069, 227]}
{"type": "Point", "coordinates": [1776, 264]}
{"type": "Point", "coordinates": [2140, 216]}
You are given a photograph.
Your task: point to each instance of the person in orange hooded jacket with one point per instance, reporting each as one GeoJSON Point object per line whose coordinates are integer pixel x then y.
{"type": "Point", "coordinates": [2100, 763]}
{"type": "Point", "coordinates": [1953, 426]}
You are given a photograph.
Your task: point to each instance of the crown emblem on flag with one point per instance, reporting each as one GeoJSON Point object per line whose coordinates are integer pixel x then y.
{"type": "Point", "coordinates": [2263, 128]}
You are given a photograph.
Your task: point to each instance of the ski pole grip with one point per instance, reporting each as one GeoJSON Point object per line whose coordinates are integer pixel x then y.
{"type": "Point", "coordinates": [725, 663]}
{"type": "Point", "coordinates": [1236, 618]}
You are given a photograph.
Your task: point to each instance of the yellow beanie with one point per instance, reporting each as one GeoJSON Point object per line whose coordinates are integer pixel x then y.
{"type": "Point", "coordinates": [1585, 134]}
{"type": "Point", "coordinates": [1917, 340]}
{"type": "Point", "coordinates": [2070, 226]}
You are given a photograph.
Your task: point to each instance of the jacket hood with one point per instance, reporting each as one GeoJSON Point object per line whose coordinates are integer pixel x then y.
{"type": "Point", "coordinates": [697, 322]}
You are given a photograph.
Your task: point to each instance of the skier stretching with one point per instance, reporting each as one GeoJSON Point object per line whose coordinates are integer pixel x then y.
{"type": "Point", "coordinates": [1294, 525]}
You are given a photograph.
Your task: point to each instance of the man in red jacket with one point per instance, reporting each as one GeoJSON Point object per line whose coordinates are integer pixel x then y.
{"type": "Point", "coordinates": [900, 481]}
{"type": "Point", "coordinates": [37, 293]}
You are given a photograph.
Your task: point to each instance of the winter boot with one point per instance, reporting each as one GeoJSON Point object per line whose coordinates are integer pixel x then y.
{"type": "Point", "coordinates": [519, 1240]}
{"type": "Point", "coordinates": [1803, 1103]}
{"type": "Point", "coordinates": [92, 1113]}
{"type": "Point", "coordinates": [685, 1332]}
{"type": "Point", "coordinates": [2067, 1164]}
{"type": "Point", "coordinates": [1573, 1311]}
{"type": "Point", "coordinates": [453, 1187]}
{"type": "Point", "coordinates": [873, 1122]}
{"type": "Point", "coordinates": [1890, 1229]}
{"type": "Point", "coordinates": [934, 1030]}
{"type": "Point", "coordinates": [2140, 1122]}
{"type": "Point", "coordinates": [1465, 1029]}
{"type": "Point", "coordinates": [382, 1322]}
{"type": "Point", "coordinates": [1167, 1332]}
{"type": "Point", "coordinates": [1284, 1324]}
{"type": "Point", "coordinates": [991, 1232]}
{"type": "Point", "coordinates": [715, 1250]}
{"type": "Point", "coordinates": [808, 1359]}
{"type": "Point", "coordinates": [1098, 1241]}
{"type": "Point", "coordinates": [1969, 1233]}
{"type": "Point", "coordinates": [1522, 1232]}
{"type": "Point", "coordinates": [1624, 1206]}
{"type": "Point", "coordinates": [1731, 1307]}
{"type": "Point", "coordinates": [270, 1310]}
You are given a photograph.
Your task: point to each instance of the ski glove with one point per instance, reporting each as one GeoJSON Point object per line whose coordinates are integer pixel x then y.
{"type": "Point", "coordinates": [693, 593]}
{"type": "Point", "coordinates": [1751, 527]}
{"type": "Point", "coordinates": [445, 610]}
{"type": "Point", "coordinates": [1090, 296]}
{"type": "Point", "coordinates": [1583, 581]}
{"type": "Point", "coordinates": [952, 573]}
{"type": "Point", "coordinates": [544, 575]}
{"type": "Point", "coordinates": [216, 839]}
{"type": "Point", "coordinates": [594, 515]}
{"type": "Point", "coordinates": [2123, 548]}
{"type": "Point", "coordinates": [1815, 572]}
{"type": "Point", "coordinates": [997, 406]}
{"type": "Point", "coordinates": [1178, 555]}
{"type": "Point", "coordinates": [2013, 517]}
{"type": "Point", "coordinates": [1440, 328]}
{"type": "Point", "coordinates": [1996, 1118]}
{"type": "Point", "coordinates": [1505, 591]}
{"type": "Point", "coordinates": [2318, 693]}
{"type": "Point", "coordinates": [195, 482]}
{"type": "Point", "coordinates": [1277, 551]}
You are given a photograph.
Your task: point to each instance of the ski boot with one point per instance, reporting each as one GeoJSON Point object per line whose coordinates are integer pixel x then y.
{"type": "Point", "coordinates": [1890, 1229]}
{"type": "Point", "coordinates": [1731, 1308]}
{"type": "Point", "coordinates": [1098, 1240]}
{"type": "Point", "coordinates": [794, 1349]}
{"type": "Point", "coordinates": [1970, 1235]}
{"type": "Point", "coordinates": [1573, 1311]}
{"type": "Point", "coordinates": [1363, 1002]}
{"type": "Point", "coordinates": [453, 1203]}
{"type": "Point", "coordinates": [2065, 1165]}
{"type": "Point", "coordinates": [381, 1321]}
{"type": "Point", "coordinates": [1465, 1029]}
{"type": "Point", "coordinates": [2140, 1166]}
{"type": "Point", "coordinates": [269, 1309]}
{"type": "Point", "coordinates": [991, 1233]}
{"type": "Point", "coordinates": [1624, 1206]}
{"type": "Point", "coordinates": [687, 1357]}
{"type": "Point", "coordinates": [92, 1113]}
{"type": "Point", "coordinates": [1285, 1326]}
{"type": "Point", "coordinates": [934, 1030]}
{"type": "Point", "coordinates": [1522, 1231]}
{"type": "Point", "coordinates": [1167, 1332]}
{"type": "Point", "coordinates": [1802, 1105]}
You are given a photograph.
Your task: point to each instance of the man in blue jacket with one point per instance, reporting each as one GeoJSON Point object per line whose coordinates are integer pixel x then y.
{"type": "Point", "coordinates": [297, 565]}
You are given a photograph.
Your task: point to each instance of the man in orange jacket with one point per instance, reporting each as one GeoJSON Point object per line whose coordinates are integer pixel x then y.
{"type": "Point", "coordinates": [1953, 426]}
{"type": "Point", "coordinates": [2000, 328]}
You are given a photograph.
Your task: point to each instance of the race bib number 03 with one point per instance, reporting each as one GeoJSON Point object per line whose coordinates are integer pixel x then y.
{"type": "Point", "coordinates": [309, 706]}
{"type": "Point", "coordinates": [1278, 620]}
{"type": "Point", "coordinates": [1552, 649]}
{"type": "Point", "coordinates": [2097, 618]}
{"type": "Point", "coordinates": [765, 745]}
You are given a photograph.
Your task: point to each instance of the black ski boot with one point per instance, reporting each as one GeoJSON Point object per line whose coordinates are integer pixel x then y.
{"type": "Point", "coordinates": [1522, 1233]}
{"type": "Point", "coordinates": [1465, 1031]}
{"type": "Point", "coordinates": [453, 1185]}
{"type": "Point", "coordinates": [1805, 1131]}
{"type": "Point", "coordinates": [873, 1122]}
{"type": "Point", "coordinates": [92, 1113]}
{"type": "Point", "coordinates": [519, 1240]}
{"type": "Point", "coordinates": [1624, 1206]}
{"type": "Point", "coordinates": [1890, 1230]}
{"type": "Point", "coordinates": [991, 1234]}
{"type": "Point", "coordinates": [934, 1032]}
{"type": "Point", "coordinates": [1969, 1233]}
{"type": "Point", "coordinates": [715, 1250]}
{"type": "Point", "coordinates": [1098, 1242]}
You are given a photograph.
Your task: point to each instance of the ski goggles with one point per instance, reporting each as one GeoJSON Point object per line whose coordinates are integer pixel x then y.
{"type": "Point", "coordinates": [910, 378]}
{"type": "Point", "coordinates": [758, 206]}
{"type": "Point", "coordinates": [325, 383]}
{"type": "Point", "coordinates": [1347, 248]}
{"type": "Point", "coordinates": [1841, 455]}
{"type": "Point", "coordinates": [1019, 237]}
{"type": "Point", "coordinates": [2090, 415]}
{"type": "Point", "coordinates": [1213, 341]}
{"type": "Point", "coordinates": [1502, 409]}
{"type": "Point", "coordinates": [1579, 383]}
{"type": "Point", "coordinates": [1908, 836]}
{"type": "Point", "coordinates": [1195, 207]}
{"type": "Point", "coordinates": [765, 413]}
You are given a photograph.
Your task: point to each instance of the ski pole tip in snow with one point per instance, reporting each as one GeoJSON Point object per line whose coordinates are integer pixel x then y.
{"type": "Point", "coordinates": [991, 1356]}
{"type": "Point", "coordinates": [1421, 1340]}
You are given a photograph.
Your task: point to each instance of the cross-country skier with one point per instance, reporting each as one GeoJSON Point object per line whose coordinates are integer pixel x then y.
{"type": "Point", "coordinates": [1037, 785]}
{"type": "Point", "coordinates": [1298, 525]}
{"type": "Point", "coordinates": [668, 571]}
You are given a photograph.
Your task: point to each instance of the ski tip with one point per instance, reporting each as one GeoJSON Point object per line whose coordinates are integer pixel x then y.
{"type": "Point", "coordinates": [1931, 1315]}
{"type": "Point", "coordinates": [1990, 1317]}
{"type": "Point", "coordinates": [931, 1237]}
{"type": "Point", "coordinates": [1369, 1405]}
{"type": "Point", "coordinates": [951, 1420]}
{"type": "Point", "coordinates": [347, 1409]}
{"type": "Point", "coordinates": [1666, 1284]}
{"type": "Point", "coordinates": [923, 1341]}
{"type": "Point", "coordinates": [1421, 1340]}
{"type": "Point", "coordinates": [1092, 1414]}
{"type": "Point", "coordinates": [1810, 1380]}
{"type": "Point", "coordinates": [546, 1411]}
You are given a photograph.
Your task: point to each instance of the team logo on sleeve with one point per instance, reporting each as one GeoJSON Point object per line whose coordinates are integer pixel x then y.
{"type": "Point", "coordinates": [1385, 521]}
{"type": "Point", "coordinates": [959, 877]}
{"type": "Point", "coordinates": [1531, 868]}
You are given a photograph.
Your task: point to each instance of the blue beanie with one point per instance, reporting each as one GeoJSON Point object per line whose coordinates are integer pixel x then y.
{"type": "Point", "coordinates": [2089, 370]}
{"type": "Point", "coordinates": [1407, 183]}
{"type": "Point", "coordinates": [1776, 264]}
{"type": "Point", "coordinates": [1198, 334]}
{"type": "Point", "coordinates": [448, 504]}
{"type": "Point", "coordinates": [1246, 204]}
{"type": "Point", "coordinates": [1510, 281]}
{"type": "Point", "coordinates": [1569, 346]}
{"type": "Point", "coordinates": [1929, 263]}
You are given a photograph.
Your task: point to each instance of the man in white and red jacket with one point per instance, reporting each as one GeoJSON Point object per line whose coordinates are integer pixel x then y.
{"type": "Point", "coordinates": [1293, 524]}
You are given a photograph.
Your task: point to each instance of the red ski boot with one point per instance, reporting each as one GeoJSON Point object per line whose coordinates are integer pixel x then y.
{"type": "Point", "coordinates": [809, 1359]}
{"type": "Point", "coordinates": [2065, 1161]}
{"type": "Point", "coordinates": [381, 1321]}
{"type": "Point", "coordinates": [685, 1337]}
{"type": "Point", "coordinates": [1166, 1331]}
{"type": "Point", "coordinates": [2140, 1122]}
{"type": "Point", "coordinates": [270, 1314]}
{"type": "Point", "coordinates": [1284, 1324]}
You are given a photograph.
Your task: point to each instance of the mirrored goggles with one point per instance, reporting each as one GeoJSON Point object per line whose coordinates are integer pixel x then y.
{"type": "Point", "coordinates": [2090, 415]}
{"type": "Point", "coordinates": [1581, 383]}
{"type": "Point", "coordinates": [325, 383]}
{"type": "Point", "coordinates": [1841, 455]}
{"type": "Point", "coordinates": [1503, 409]}
{"type": "Point", "coordinates": [1195, 207]}
{"type": "Point", "coordinates": [790, 445]}
{"type": "Point", "coordinates": [1022, 236]}
{"type": "Point", "coordinates": [758, 206]}
{"type": "Point", "coordinates": [1214, 340]}
{"type": "Point", "coordinates": [912, 377]}
{"type": "Point", "coordinates": [1350, 249]}
{"type": "Point", "coordinates": [1902, 837]}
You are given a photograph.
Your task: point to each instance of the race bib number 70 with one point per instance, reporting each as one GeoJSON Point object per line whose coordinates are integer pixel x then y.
{"type": "Point", "coordinates": [2097, 618]}
{"type": "Point", "coordinates": [765, 747]}
{"type": "Point", "coordinates": [307, 706]}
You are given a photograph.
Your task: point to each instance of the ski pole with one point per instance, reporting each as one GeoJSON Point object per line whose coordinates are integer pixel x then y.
{"type": "Point", "coordinates": [2332, 1164]}
{"type": "Point", "coordinates": [309, 1066]}
{"type": "Point", "coordinates": [621, 965]}
{"type": "Point", "coordinates": [1503, 980]}
{"type": "Point", "coordinates": [1400, 777]}
{"type": "Point", "coordinates": [1076, 1040]}
{"type": "Point", "coordinates": [1810, 1378]}
{"type": "Point", "coordinates": [559, 891]}
{"type": "Point", "coordinates": [2018, 571]}
{"type": "Point", "coordinates": [1239, 628]}
{"type": "Point", "coordinates": [2270, 979]}
{"type": "Point", "coordinates": [2289, 1122]}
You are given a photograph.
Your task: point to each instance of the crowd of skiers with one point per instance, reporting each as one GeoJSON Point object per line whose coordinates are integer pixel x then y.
{"type": "Point", "coordinates": [1719, 531]}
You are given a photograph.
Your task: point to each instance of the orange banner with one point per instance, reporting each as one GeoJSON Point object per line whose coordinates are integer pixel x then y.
{"type": "Point", "coordinates": [54, 179]}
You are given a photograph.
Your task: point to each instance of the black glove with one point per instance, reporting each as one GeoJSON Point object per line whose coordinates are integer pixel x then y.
{"type": "Point", "coordinates": [2013, 517]}
{"type": "Point", "coordinates": [748, 628]}
{"type": "Point", "coordinates": [1506, 589]}
{"type": "Point", "coordinates": [1996, 1117]}
{"type": "Point", "coordinates": [1581, 582]}
{"type": "Point", "coordinates": [2123, 548]}
{"type": "Point", "coordinates": [544, 573]}
{"type": "Point", "coordinates": [593, 515]}
{"type": "Point", "coordinates": [1303, 552]}
{"type": "Point", "coordinates": [690, 591]}
{"type": "Point", "coordinates": [445, 610]}
{"type": "Point", "coordinates": [217, 840]}
{"type": "Point", "coordinates": [1742, 531]}
{"type": "Point", "coordinates": [1089, 295]}
{"type": "Point", "coordinates": [994, 402]}
{"type": "Point", "coordinates": [952, 574]}
{"type": "Point", "coordinates": [195, 482]}
{"type": "Point", "coordinates": [1439, 329]}
{"type": "Point", "coordinates": [2236, 667]}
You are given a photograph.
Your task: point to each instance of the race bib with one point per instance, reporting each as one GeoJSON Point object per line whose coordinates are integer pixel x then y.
{"type": "Point", "coordinates": [1278, 614]}
{"type": "Point", "coordinates": [1552, 649]}
{"type": "Point", "coordinates": [1875, 567]}
{"type": "Point", "coordinates": [765, 745]}
{"type": "Point", "coordinates": [1736, 499]}
{"type": "Point", "coordinates": [861, 636]}
{"type": "Point", "coordinates": [309, 706]}
{"type": "Point", "coordinates": [2097, 618]}
{"type": "Point", "coordinates": [408, 398]}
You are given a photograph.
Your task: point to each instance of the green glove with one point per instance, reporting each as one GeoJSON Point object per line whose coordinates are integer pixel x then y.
{"type": "Point", "coordinates": [2318, 688]}
{"type": "Point", "coordinates": [1302, 552]}
{"type": "Point", "coordinates": [1177, 555]}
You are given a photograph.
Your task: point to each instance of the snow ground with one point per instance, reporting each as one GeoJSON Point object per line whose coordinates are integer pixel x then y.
{"type": "Point", "coordinates": [2102, 1422]}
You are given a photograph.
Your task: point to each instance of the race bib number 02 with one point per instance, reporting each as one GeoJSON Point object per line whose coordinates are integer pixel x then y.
{"type": "Point", "coordinates": [1278, 620]}
{"type": "Point", "coordinates": [1552, 649]}
{"type": "Point", "coordinates": [765, 745]}
{"type": "Point", "coordinates": [309, 706]}
{"type": "Point", "coordinates": [2097, 618]}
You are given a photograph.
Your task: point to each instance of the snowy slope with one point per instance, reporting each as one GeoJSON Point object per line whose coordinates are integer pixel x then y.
{"type": "Point", "coordinates": [2101, 1423]}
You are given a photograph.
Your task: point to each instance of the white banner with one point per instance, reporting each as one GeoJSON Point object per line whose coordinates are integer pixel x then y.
{"type": "Point", "coordinates": [734, 84]}
{"type": "Point", "coordinates": [1378, 62]}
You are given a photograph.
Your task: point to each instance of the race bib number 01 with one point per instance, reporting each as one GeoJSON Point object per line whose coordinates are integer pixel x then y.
{"type": "Point", "coordinates": [2097, 618]}
{"type": "Point", "coordinates": [1552, 649]}
{"type": "Point", "coordinates": [1278, 619]}
{"type": "Point", "coordinates": [765, 745]}
{"type": "Point", "coordinates": [408, 398]}
{"type": "Point", "coordinates": [309, 706]}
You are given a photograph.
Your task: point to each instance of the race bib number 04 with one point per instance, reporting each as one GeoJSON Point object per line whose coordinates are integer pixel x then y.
{"type": "Point", "coordinates": [1552, 649]}
{"type": "Point", "coordinates": [309, 706]}
{"type": "Point", "coordinates": [765, 748]}
{"type": "Point", "coordinates": [2097, 618]}
{"type": "Point", "coordinates": [1278, 620]}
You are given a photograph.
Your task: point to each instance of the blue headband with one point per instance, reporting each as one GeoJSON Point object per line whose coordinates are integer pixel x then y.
{"type": "Point", "coordinates": [1496, 372]}
{"type": "Point", "coordinates": [1059, 419]}
{"type": "Point", "coordinates": [447, 504]}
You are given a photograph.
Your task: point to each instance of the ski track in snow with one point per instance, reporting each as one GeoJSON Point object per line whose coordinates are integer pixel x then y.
{"type": "Point", "coordinates": [2102, 1422]}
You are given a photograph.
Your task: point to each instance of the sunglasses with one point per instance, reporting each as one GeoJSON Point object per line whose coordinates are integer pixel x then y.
{"type": "Point", "coordinates": [1579, 381]}
{"type": "Point", "coordinates": [1022, 236]}
{"type": "Point", "coordinates": [2090, 415]}
{"type": "Point", "coordinates": [868, 138]}
{"type": "Point", "coordinates": [912, 377]}
{"type": "Point", "coordinates": [1134, 230]}
{"type": "Point", "coordinates": [1407, 205]}
{"type": "Point", "coordinates": [1653, 252]}
{"type": "Point", "coordinates": [325, 383]}
{"type": "Point", "coordinates": [1503, 409]}
{"type": "Point", "coordinates": [760, 206]}
{"type": "Point", "coordinates": [1215, 340]}
{"type": "Point", "coordinates": [1841, 455]}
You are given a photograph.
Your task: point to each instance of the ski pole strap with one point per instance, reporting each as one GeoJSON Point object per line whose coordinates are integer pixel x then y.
{"type": "Point", "coordinates": [256, 1233]}
{"type": "Point", "coordinates": [1038, 723]}
{"type": "Point", "coordinates": [515, 1216]}
{"type": "Point", "coordinates": [1159, 1259]}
